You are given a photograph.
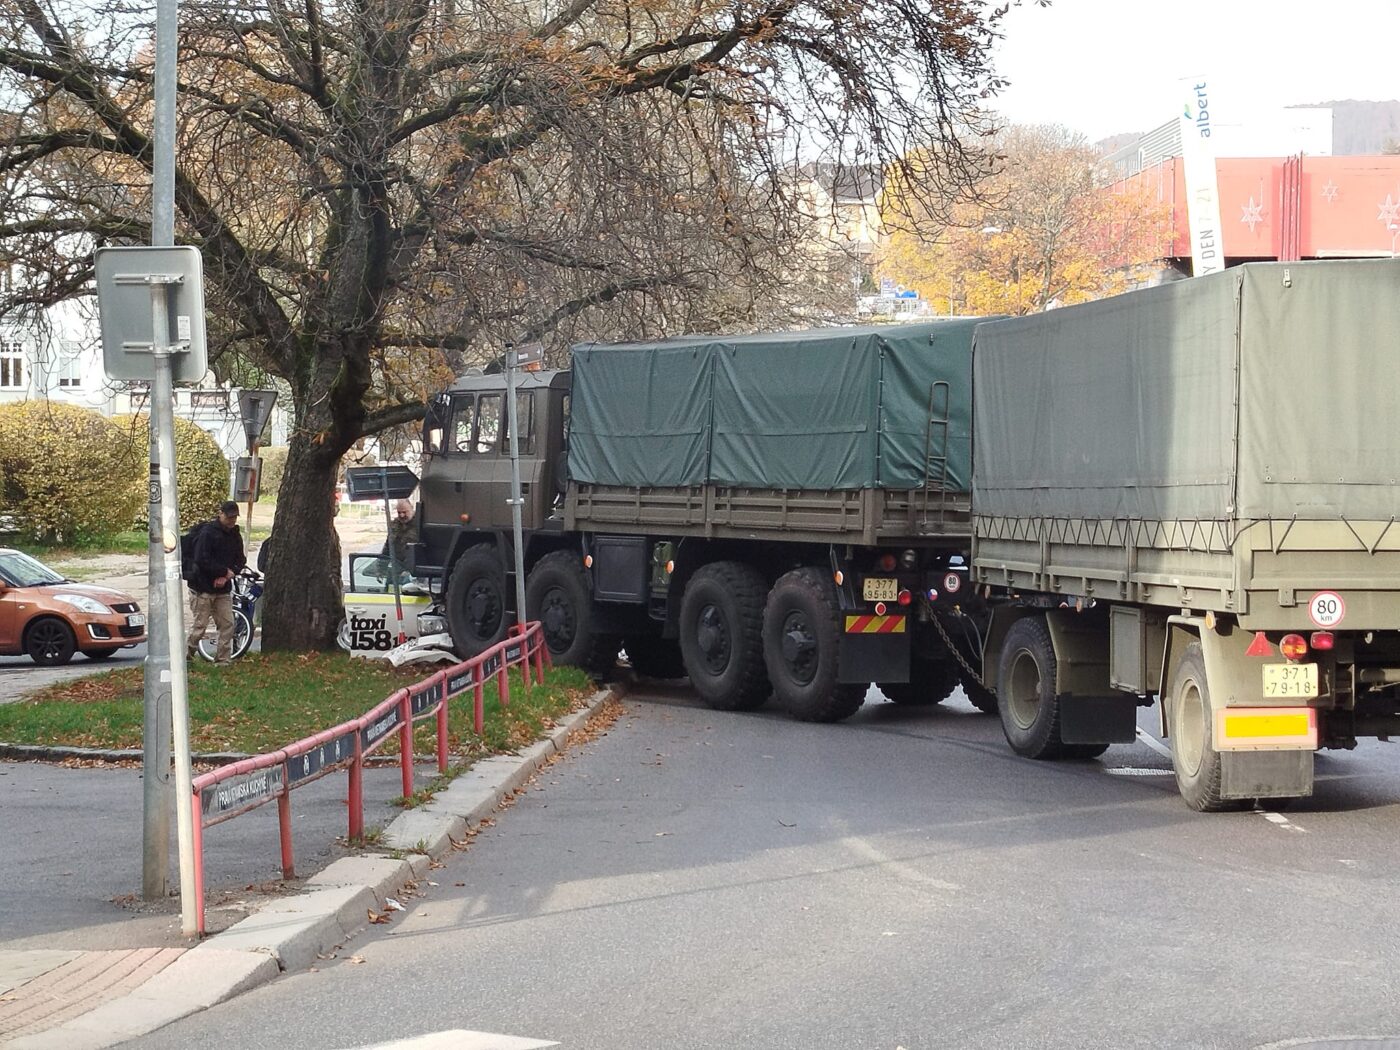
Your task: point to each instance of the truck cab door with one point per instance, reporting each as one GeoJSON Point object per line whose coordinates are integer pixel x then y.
{"type": "Point", "coordinates": [447, 431]}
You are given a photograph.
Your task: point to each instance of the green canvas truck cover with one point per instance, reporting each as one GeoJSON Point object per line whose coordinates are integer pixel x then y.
{"type": "Point", "coordinates": [1268, 391]}
{"type": "Point", "coordinates": [835, 408]}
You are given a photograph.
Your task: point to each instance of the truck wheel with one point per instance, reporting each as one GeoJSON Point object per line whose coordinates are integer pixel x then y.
{"type": "Point", "coordinates": [655, 657]}
{"type": "Point", "coordinates": [801, 640]}
{"type": "Point", "coordinates": [930, 682]}
{"type": "Point", "coordinates": [978, 695]}
{"type": "Point", "coordinates": [1191, 717]}
{"type": "Point", "coordinates": [1029, 708]}
{"type": "Point", "coordinates": [721, 633]}
{"type": "Point", "coordinates": [558, 595]}
{"type": "Point", "coordinates": [476, 601]}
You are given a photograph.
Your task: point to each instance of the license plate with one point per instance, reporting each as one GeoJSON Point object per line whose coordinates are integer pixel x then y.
{"type": "Point", "coordinates": [136, 620]}
{"type": "Point", "coordinates": [880, 589]}
{"type": "Point", "coordinates": [1290, 681]}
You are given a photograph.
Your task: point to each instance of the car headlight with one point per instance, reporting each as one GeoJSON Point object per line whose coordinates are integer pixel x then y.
{"type": "Point", "coordinates": [82, 603]}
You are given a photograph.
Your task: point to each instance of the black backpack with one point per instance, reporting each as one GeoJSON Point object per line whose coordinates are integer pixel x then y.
{"type": "Point", "coordinates": [187, 542]}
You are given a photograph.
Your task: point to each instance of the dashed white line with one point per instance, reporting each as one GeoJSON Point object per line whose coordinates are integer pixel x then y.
{"type": "Point", "coordinates": [1280, 820]}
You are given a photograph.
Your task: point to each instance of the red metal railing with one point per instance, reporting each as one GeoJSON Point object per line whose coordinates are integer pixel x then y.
{"type": "Point", "coordinates": [231, 790]}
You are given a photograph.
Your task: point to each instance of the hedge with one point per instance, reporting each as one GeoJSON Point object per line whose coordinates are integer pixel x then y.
{"type": "Point", "coordinates": [64, 473]}
{"type": "Point", "coordinates": [202, 472]}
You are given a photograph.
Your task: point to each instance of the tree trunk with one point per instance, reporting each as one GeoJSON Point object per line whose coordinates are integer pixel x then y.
{"type": "Point", "coordinates": [302, 606]}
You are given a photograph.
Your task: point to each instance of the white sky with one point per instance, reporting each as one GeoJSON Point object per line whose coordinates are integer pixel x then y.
{"type": "Point", "coordinates": [1109, 66]}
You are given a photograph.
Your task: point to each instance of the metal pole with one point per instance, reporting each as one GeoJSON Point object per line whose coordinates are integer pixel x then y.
{"type": "Point", "coordinates": [391, 566]}
{"type": "Point", "coordinates": [163, 423]}
{"type": "Point", "coordinates": [155, 761]}
{"type": "Point", "coordinates": [253, 455]}
{"type": "Point", "coordinates": [516, 502]}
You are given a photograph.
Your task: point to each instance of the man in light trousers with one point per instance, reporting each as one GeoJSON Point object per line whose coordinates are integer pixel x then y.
{"type": "Point", "coordinates": [218, 555]}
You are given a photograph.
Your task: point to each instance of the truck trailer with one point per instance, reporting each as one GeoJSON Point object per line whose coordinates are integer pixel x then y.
{"type": "Point", "coordinates": [1171, 497]}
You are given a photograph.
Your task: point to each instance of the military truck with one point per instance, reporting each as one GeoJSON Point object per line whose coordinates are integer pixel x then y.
{"type": "Point", "coordinates": [774, 515]}
{"type": "Point", "coordinates": [1189, 494]}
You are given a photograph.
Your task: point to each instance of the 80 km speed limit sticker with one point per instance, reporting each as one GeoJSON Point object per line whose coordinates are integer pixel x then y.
{"type": "Point", "coordinates": [1326, 608]}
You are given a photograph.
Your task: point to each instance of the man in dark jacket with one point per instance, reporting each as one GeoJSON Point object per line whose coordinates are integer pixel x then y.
{"type": "Point", "coordinates": [218, 555]}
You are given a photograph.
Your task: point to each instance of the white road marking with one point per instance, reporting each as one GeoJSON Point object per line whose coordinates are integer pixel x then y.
{"type": "Point", "coordinates": [1155, 744]}
{"type": "Point", "coordinates": [1137, 771]}
{"type": "Point", "coordinates": [1280, 820]}
{"type": "Point", "coordinates": [870, 851]}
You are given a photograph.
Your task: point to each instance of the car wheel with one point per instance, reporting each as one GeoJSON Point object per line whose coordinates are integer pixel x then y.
{"type": "Point", "coordinates": [50, 642]}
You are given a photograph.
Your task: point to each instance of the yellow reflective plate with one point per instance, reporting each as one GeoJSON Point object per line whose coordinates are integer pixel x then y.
{"type": "Point", "coordinates": [880, 589]}
{"type": "Point", "coordinates": [1290, 681]}
{"type": "Point", "coordinates": [1265, 729]}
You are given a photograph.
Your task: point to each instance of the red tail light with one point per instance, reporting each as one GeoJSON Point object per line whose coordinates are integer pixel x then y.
{"type": "Point", "coordinates": [1293, 646]}
{"type": "Point", "coordinates": [886, 563]}
{"type": "Point", "coordinates": [1323, 640]}
{"type": "Point", "coordinates": [905, 597]}
{"type": "Point", "coordinates": [879, 608]}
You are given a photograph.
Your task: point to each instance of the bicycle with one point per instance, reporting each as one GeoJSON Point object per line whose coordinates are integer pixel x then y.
{"type": "Point", "coordinates": [247, 589]}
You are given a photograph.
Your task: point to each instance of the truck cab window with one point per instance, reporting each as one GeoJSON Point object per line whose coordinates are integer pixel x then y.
{"type": "Point", "coordinates": [524, 412]}
{"type": "Point", "coordinates": [488, 424]}
{"type": "Point", "coordinates": [461, 433]}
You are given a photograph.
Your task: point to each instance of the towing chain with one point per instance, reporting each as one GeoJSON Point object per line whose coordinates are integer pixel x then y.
{"type": "Point", "coordinates": [952, 647]}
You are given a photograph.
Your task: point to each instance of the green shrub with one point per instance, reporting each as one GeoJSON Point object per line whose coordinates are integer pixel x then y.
{"type": "Point", "coordinates": [274, 465]}
{"type": "Point", "coordinates": [64, 473]}
{"type": "Point", "coordinates": [202, 472]}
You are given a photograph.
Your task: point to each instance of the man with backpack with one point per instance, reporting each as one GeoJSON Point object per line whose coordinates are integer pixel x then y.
{"type": "Point", "coordinates": [216, 555]}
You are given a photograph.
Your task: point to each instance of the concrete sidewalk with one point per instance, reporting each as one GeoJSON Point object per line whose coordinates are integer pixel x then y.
{"type": "Point", "coordinates": [84, 964]}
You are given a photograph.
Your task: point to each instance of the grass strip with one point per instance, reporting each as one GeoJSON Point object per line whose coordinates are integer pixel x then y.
{"type": "Point", "coordinates": [265, 701]}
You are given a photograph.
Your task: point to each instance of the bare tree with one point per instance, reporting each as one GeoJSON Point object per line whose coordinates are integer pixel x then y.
{"type": "Point", "coordinates": [385, 189]}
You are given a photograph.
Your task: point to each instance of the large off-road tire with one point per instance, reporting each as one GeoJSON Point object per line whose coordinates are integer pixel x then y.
{"type": "Point", "coordinates": [557, 593]}
{"type": "Point", "coordinates": [978, 695]}
{"type": "Point", "coordinates": [1026, 700]}
{"type": "Point", "coordinates": [1192, 723]}
{"type": "Point", "coordinates": [476, 601]}
{"type": "Point", "coordinates": [801, 647]}
{"type": "Point", "coordinates": [50, 642]}
{"type": "Point", "coordinates": [930, 682]}
{"type": "Point", "coordinates": [721, 634]}
{"type": "Point", "coordinates": [652, 656]}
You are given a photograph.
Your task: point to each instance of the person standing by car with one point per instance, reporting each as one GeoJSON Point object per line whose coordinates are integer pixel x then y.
{"type": "Point", "coordinates": [218, 555]}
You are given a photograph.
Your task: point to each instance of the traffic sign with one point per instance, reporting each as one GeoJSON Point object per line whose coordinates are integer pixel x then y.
{"type": "Point", "coordinates": [366, 483]}
{"type": "Point", "coordinates": [134, 284]}
{"type": "Point", "coordinates": [247, 479]}
{"type": "Point", "coordinates": [255, 406]}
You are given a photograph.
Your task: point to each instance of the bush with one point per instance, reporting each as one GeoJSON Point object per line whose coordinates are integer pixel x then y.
{"type": "Point", "coordinates": [64, 473]}
{"type": "Point", "coordinates": [202, 472]}
{"type": "Point", "coordinates": [274, 465]}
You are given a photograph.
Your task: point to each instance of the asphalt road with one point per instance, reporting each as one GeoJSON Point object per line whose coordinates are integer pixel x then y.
{"type": "Point", "coordinates": [20, 674]}
{"type": "Point", "coordinates": [704, 880]}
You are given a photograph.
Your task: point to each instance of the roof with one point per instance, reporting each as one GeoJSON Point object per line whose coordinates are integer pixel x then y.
{"type": "Point", "coordinates": [861, 182]}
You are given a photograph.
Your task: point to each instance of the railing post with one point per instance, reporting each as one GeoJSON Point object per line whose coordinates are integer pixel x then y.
{"type": "Point", "coordinates": [284, 824]}
{"type": "Point", "coordinates": [356, 790]}
{"type": "Point", "coordinates": [539, 655]}
{"type": "Point", "coordinates": [406, 744]}
{"type": "Point", "coordinates": [478, 700]}
{"type": "Point", "coordinates": [198, 840]}
{"type": "Point", "coordinates": [503, 683]}
{"type": "Point", "coordinates": [442, 722]}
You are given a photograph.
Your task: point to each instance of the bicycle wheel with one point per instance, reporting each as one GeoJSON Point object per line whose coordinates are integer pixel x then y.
{"type": "Point", "coordinates": [242, 638]}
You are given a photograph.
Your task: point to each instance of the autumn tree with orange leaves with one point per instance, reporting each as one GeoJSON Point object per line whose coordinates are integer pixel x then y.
{"type": "Point", "coordinates": [1041, 229]}
{"type": "Point", "coordinates": [386, 190]}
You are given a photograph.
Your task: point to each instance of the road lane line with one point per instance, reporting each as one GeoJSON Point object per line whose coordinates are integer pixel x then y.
{"type": "Point", "coordinates": [1280, 820]}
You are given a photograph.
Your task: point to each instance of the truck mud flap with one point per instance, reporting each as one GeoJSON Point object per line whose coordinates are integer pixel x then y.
{"type": "Point", "coordinates": [873, 657]}
{"type": "Point", "coordinates": [1266, 774]}
{"type": "Point", "coordinates": [1098, 719]}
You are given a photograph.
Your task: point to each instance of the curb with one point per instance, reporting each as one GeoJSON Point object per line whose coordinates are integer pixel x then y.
{"type": "Point", "coordinates": [291, 933]}
{"type": "Point", "coordinates": [63, 752]}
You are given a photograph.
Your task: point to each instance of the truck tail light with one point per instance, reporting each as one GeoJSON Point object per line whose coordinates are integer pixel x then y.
{"type": "Point", "coordinates": [905, 597]}
{"type": "Point", "coordinates": [886, 563]}
{"type": "Point", "coordinates": [1260, 646]}
{"type": "Point", "coordinates": [1323, 640]}
{"type": "Point", "coordinates": [839, 577]}
{"type": "Point", "coordinates": [588, 561]}
{"type": "Point", "coordinates": [879, 608]}
{"type": "Point", "coordinates": [1293, 646]}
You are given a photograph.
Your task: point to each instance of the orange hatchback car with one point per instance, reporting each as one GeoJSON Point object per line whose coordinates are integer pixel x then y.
{"type": "Point", "coordinates": [49, 618]}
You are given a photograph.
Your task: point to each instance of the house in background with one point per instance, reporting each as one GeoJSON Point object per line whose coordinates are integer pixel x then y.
{"type": "Point", "coordinates": [58, 357]}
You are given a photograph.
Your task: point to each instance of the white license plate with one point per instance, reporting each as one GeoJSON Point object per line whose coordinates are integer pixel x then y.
{"type": "Point", "coordinates": [880, 589]}
{"type": "Point", "coordinates": [1291, 681]}
{"type": "Point", "coordinates": [136, 620]}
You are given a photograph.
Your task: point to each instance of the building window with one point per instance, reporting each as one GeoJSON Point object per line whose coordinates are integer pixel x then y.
{"type": "Point", "coordinates": [11, 365]}
{"type": "Point", "coordinates": [70, 372]}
